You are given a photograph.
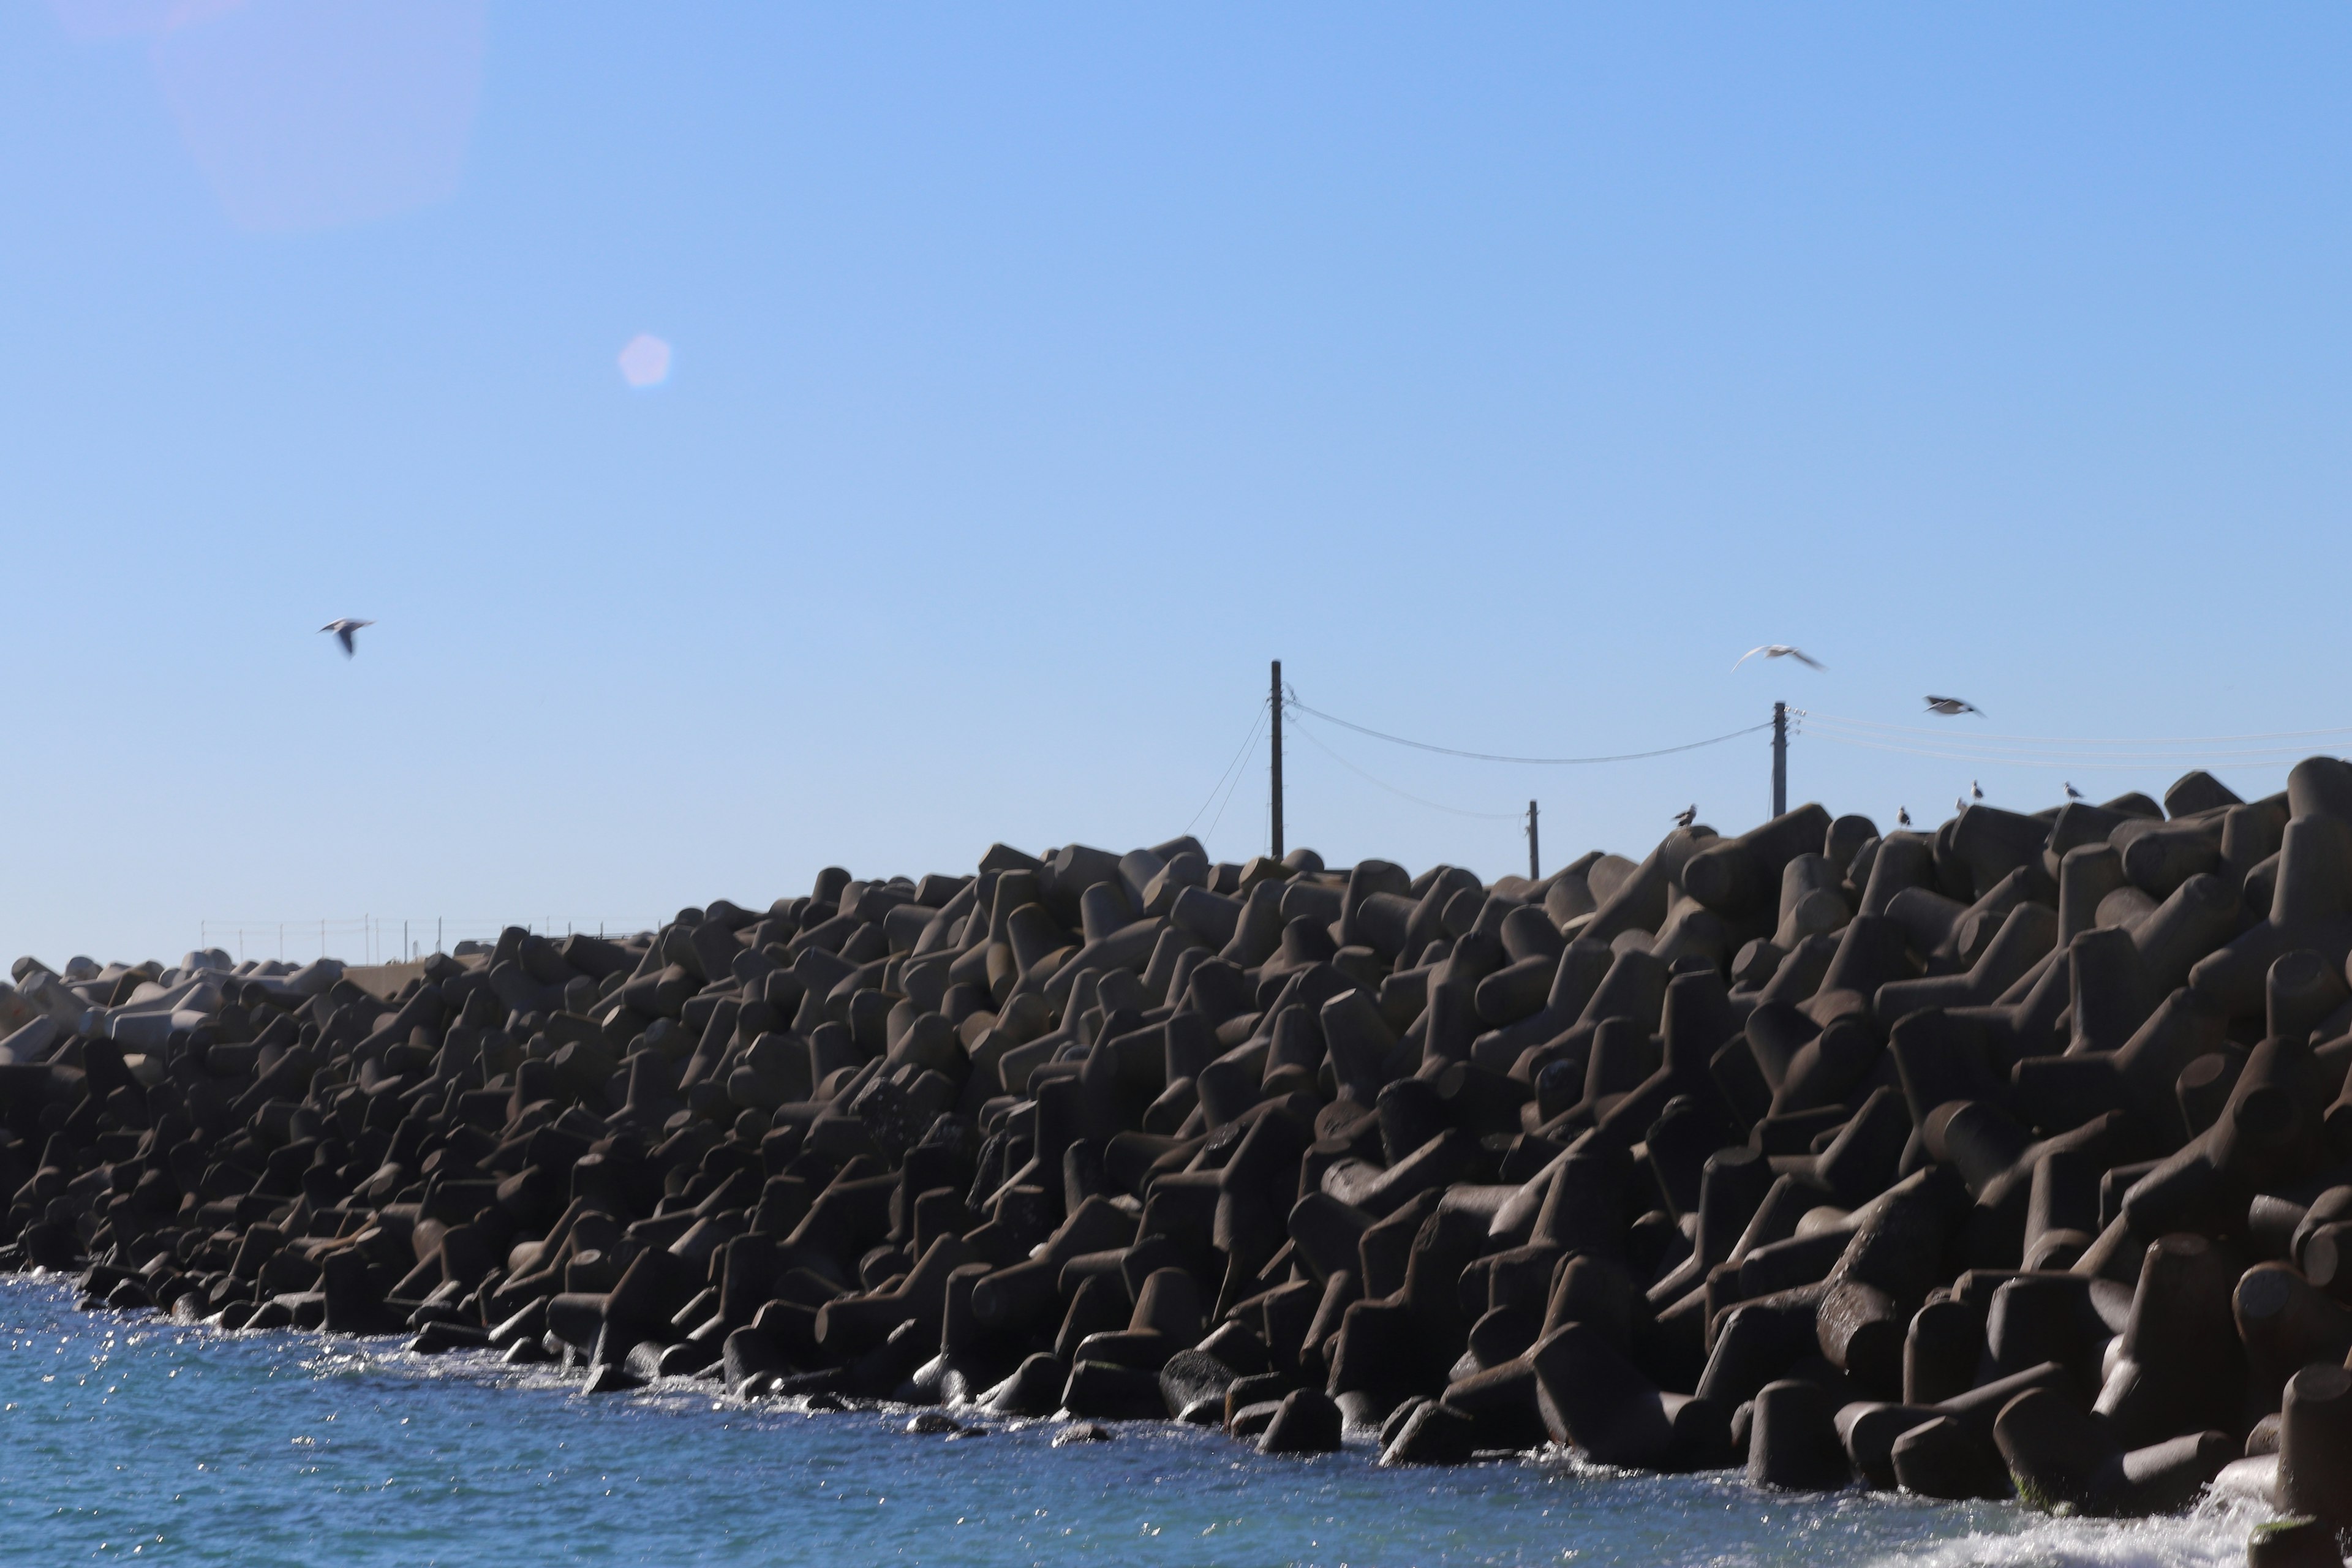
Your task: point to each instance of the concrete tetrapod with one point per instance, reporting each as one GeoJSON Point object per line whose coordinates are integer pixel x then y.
{"type": "Point", "coordinates": [1678, 1159]}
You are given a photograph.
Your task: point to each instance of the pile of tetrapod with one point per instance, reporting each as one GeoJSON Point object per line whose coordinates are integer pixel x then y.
{"type": "Point", "coordinates": [2012, 1157]}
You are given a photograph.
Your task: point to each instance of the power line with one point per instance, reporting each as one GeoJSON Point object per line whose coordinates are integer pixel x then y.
{"type": "Point", "coordinates": [1450, 810]}
{"type": "Point", "coordinates": [1945, 731]}
{"type": "Point", "coordinates": [1998, 749]}
{"type": "Point", "coordinates": [2054, 753]}
{"type": "Point", "coordinates": [2109, 763]}
{"type": "Point", "coordinates": [1537, 761]}
{"type": "Point", "coordinates": [1257, 718]}
{"type": "Point", "coordinates": [1238, 774]}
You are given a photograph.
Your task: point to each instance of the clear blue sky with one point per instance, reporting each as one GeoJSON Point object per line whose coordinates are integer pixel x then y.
{"type": "Point", "coordinates": [1040, 373]}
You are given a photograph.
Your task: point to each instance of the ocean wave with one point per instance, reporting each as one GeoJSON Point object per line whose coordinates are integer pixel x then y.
{"type": "Point", "coordinates": [2212, 1535]}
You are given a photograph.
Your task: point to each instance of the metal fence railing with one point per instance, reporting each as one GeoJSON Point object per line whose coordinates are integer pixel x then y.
{"type": "Point", "coordinates": [383, 938]}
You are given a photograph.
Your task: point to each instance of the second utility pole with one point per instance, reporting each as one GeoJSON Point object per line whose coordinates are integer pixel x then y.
{"type": "Point", "coordinates": [1276, 698]}
{"type": "Point", "coordinates": [1779, 759]}
{"type": "Point", "coordinates": [1533, 875]}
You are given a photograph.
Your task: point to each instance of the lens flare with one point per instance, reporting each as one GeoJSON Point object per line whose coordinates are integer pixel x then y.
{"type": "Point", "coordinates": [644, 361]}
{"type": "Point", "coordinates": [306, 115]}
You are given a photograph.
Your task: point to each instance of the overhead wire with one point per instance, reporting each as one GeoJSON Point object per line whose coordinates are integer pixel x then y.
{"type": "Point", "coordinates": [1236, 769]}
{"type": "Point", "coordinates": [1293, 702]}
{"type": "Point", "coordinates": [1401, 794]}
{"type": "Point", "coordinates": [2113, 763]}
{"type": "Point", "coordinates": [1255, 720]}
{"type": "Point", "coordinates": [2056, 753]}
{"type": "Point", "coordinates": [2077, 740]}
{"type": "Point", "coordinates": [1945, 743]}
{"type": "Point", "coordinates": [1997, 751]}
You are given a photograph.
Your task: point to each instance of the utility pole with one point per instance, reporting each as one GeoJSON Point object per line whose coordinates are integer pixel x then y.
{"type": "Point", "coordinates": [1533, 874]}
{"type": "Point", "coordinates": [1779, 759]}
{"type": "Point", "coordinates": [1276, 699]}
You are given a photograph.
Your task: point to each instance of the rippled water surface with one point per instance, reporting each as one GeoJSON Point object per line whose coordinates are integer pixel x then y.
{"type": "Point", "coordinates": [137, 1439]}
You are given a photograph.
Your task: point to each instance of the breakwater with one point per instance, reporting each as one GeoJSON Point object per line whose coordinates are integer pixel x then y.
{"type": "Point", "coordinates": [2004, 1159]}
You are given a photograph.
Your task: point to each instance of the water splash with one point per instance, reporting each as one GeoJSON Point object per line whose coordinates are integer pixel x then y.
{"type": "Point", "coordinates": [2213, 1535]}
{"type": "Point", "coordinates": [127, 1437]}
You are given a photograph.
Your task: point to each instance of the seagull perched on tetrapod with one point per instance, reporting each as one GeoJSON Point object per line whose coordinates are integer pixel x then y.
{"type": "Point", "coordinates": [1686, 815]}
{"type": "Point", "coordinates": [1947, 706]}
{"type": "Point", "coordinates": [2072, 793]}
{"type": "Point", "coordinates": [1779, 650]}
{"type": "Point", "coordinates": [1902, 817]}
{"type": "Point", "coordinates": [344, 630]}
{"type": "Point", "coordinates": [1959, 802]}
{"type": "Point", "coordinates": [1976, 790]}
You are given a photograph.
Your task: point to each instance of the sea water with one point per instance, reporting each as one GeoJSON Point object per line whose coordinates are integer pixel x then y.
{"type": "Point", "coordinates": [136, 1439]}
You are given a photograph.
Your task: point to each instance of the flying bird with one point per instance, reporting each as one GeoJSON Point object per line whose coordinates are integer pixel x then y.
{"type": "Point", "coordinates": [1902, 817]}
{"type": "Point", "coordinates": [344, 630]}
{"type": "Point", "coordinates": [2072, 793]}
{"type": "Point", "coordinates": [1780, 650]}
{"type": "Point", "coordinates": [1976, 790]}
{"type": "Point", "coordinates": [1686, 816]}
{"type": "Point", "coordinates": [1947, 706]}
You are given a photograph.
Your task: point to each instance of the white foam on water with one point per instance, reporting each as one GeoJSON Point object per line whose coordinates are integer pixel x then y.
{"type": "Point", "coordinates": [1546, 1507]}
{"type": "Point", "coordinates": [2212, 1535]}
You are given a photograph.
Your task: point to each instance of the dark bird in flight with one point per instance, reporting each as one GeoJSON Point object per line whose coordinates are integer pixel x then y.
{"type": "Point", "coordinates": [1947, 706]}
{"type": "Point", "coordinates": [1686, 816]}
{"type": "Point", "coordinates": [344, 630]}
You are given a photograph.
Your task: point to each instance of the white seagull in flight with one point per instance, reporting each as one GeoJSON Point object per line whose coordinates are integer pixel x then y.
{"type": "Point", "coordinates": [1780, 650]}
{"type": "Point", "coordinates": [343, 630]}
{"type": "Point", "coordinates": [1947, 706]}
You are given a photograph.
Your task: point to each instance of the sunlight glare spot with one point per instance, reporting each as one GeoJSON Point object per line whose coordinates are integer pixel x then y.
{"type": "Point", "coordinates": [644, 361]}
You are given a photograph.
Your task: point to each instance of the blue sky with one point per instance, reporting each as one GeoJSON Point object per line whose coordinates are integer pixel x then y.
{"type": "Point", "coordinates": [1040, 373]}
